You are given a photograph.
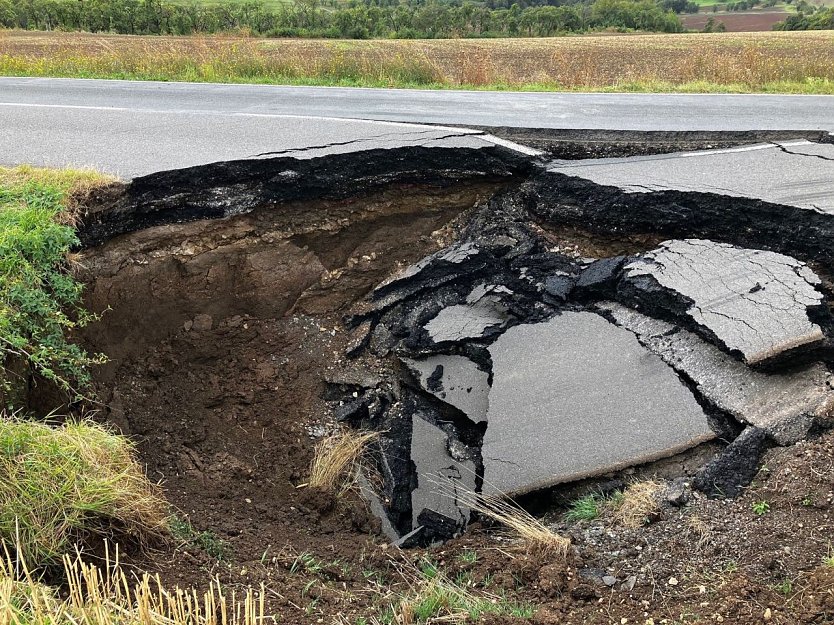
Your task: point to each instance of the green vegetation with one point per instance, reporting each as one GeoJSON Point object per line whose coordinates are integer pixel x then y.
{"type": "Point", "coordinates": [809, 17]}
{"type": "Point", "coordinates": [468, 556]}
{"type": "Point", "coordinates": [39, 298]}
{"type": "Point", "coordinates": [59, 484]}
{"type": "Point", "coordinates": [360, 20]}
{"type": "Point", "coordinates": [760, 507]}
{"type": "Point", "coordinates": [585, 508]}
{"type": "Point", "coordinates": [182, 530]}
{"type": "Point", "coordinates": [435, 598]}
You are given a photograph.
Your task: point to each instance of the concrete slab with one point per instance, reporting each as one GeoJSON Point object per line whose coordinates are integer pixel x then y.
{"type": "Point", "coordinates": [456, 380]}
{"type": "Point", "coordinates": [577, 396]}
{"type": "Point", "coordinates": [805, 180]}
{"type": "Point", "coordinates": [784, 404]}
{"type": "Point", "coordinates": [439, 477]}
{"type": "Point", "coordinates": [753, 303]}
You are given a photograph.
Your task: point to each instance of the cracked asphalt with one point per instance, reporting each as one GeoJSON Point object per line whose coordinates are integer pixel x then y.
{"type": "Point", "coordinates": [136, 128]}
{"type": "Point", "coordinates": [794, 173]}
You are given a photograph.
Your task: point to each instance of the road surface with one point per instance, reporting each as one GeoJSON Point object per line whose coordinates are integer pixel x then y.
{"type": "Point", "coordinates": [133, 128]}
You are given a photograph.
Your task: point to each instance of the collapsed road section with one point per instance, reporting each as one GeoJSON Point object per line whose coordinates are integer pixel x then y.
{"type": "Point", "coordinates": [507, 324]}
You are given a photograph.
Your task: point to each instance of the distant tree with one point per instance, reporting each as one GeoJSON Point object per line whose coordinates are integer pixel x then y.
{"type": "Point", "coordinates": [8, 16]}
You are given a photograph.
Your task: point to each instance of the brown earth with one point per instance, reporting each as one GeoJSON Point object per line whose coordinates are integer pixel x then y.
{"type": "Point", "coordinates": [222, 334]}
{"type": "Point", "coordinates": [737, 22]}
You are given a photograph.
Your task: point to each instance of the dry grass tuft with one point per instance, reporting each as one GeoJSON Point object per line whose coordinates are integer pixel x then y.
{"type": "Point", "coordinates": [700, 529]}
{"type": "Point", "coordinates": [336, 459]}
{"type": "Point", "coordinates": [105, 596]}
{"type": "Point", "coordinates": [536, 536]}
{"type": "Point", "coordinates": [638, 504]}
{"type": "Point", "coordinates": [59, 484]}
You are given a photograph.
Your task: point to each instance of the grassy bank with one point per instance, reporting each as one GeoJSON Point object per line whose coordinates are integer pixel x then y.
{"type": "Point", "coordinates": [778, 62]}
{"type": "Point", "coordinates": [39, 297]}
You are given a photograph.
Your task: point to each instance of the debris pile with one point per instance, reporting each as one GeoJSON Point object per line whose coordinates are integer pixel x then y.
{"type": "Point", "coordinates": [517, 366]}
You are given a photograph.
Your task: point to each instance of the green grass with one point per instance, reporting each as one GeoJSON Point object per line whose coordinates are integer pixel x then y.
{"type": "Point", "coordinates": [208, 541]}
{"type": "Point", "coordinates": [808, 86]}
{"type": "Point", "coordinates": [59, 485]}
{"type": "Point", "coordinates": [585, 508]}
{"type": "Point", "coordinates": [438, 599]}
{"type": "Point", "coordinates": [40, 301]}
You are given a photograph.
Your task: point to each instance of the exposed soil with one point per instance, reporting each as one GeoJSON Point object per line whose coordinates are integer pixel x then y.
{"type": "Point", "coordinates": [741, 22]}
{"type": "Point", "coordinates": [223, 334]}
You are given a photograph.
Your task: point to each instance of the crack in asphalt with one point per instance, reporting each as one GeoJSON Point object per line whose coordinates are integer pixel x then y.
{"type": "Point", "coordinates": [787, 151]}
{"type": "Point", "coordinates": [404, 136]}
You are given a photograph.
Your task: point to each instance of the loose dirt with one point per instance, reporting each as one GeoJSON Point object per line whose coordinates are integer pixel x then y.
{"type": "Point", "coordinates": [225, 396]}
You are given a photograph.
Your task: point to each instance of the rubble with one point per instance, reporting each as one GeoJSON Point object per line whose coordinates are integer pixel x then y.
{"type": "Point", "coordinates": [753, 303]}
{"type": "Point", "coordinates": [545, 322]}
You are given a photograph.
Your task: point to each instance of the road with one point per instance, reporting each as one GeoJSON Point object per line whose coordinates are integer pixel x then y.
{"type": "Point", "coordinates": [132, 128]}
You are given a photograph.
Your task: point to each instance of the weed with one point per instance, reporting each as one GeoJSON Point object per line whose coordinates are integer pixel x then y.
{"type": "Point", "coordinates": [439, 600]}
{"type": "Point", "coordinates": [57, 484]}
{"type": "Point", "coordinates": [585, 508]}
{"type": "Point", "coordinates": [335, 461]}
{"type": "Point", "coordinates": [829, 559]}
{"type": "Point", "coordinates": [208, 541]}
{"type": "Point", "coordinates": [760, 507]}
{"type": "Point", "coordinates": [638, 504]}
{"type": "Point", "coordinates": [785, 587]}
{"type": "Point", "coordinates": [212, 545]}
{"type": "Point", "coordinates": [468, 556]}
{"type": "Point", "coordinates": [307, 563]}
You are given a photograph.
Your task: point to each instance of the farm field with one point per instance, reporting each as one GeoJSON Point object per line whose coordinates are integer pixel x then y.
{"type": "Point", "coordinates": [740, 22]}
{"type": "Point", "coordinates": [790, 62]}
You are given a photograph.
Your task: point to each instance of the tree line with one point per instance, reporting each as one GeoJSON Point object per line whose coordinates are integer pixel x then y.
{"type": "Point", "coordinates": [357, 20]}
{"type": "Point", "coordinates": [808, 17]}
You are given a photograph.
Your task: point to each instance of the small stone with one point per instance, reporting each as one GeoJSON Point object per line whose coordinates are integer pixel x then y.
{"type": "Point", "coordinates": [609, 580]}
{"type": "Point", "coordinates": [673, 581]}
{"type": "Point", "coordinates": [768, 614]}
{"type": "Point", "coordinates": [676, 494]}
{"type": "Point", "coordinates": [202, 322]}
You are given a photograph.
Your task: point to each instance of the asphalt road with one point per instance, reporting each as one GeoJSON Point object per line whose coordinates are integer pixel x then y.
{"type": "Point", "coordinates": [793, 173]}
{"type": "Point", "coordinates": [133, 128]}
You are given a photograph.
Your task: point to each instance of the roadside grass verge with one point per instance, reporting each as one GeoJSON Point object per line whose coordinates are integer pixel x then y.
{"type": "Point", "coordinates": [765, 62]}
{"type": "Point", "coordinates": [40, 300]}
{"type": "Point", "coordinates": [74, 482]}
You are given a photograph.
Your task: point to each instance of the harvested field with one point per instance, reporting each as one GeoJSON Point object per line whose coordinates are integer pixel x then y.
{"type": "Point", "coordinates": [798, 62]}
{"type": "Point", "coordinates": [742, 22]}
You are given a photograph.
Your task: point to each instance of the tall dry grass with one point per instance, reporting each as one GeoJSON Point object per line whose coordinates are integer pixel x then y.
{"type": "Point", "coordinates": [106, 596]}
{"type": "Point", "coordinates": [738, 62]}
